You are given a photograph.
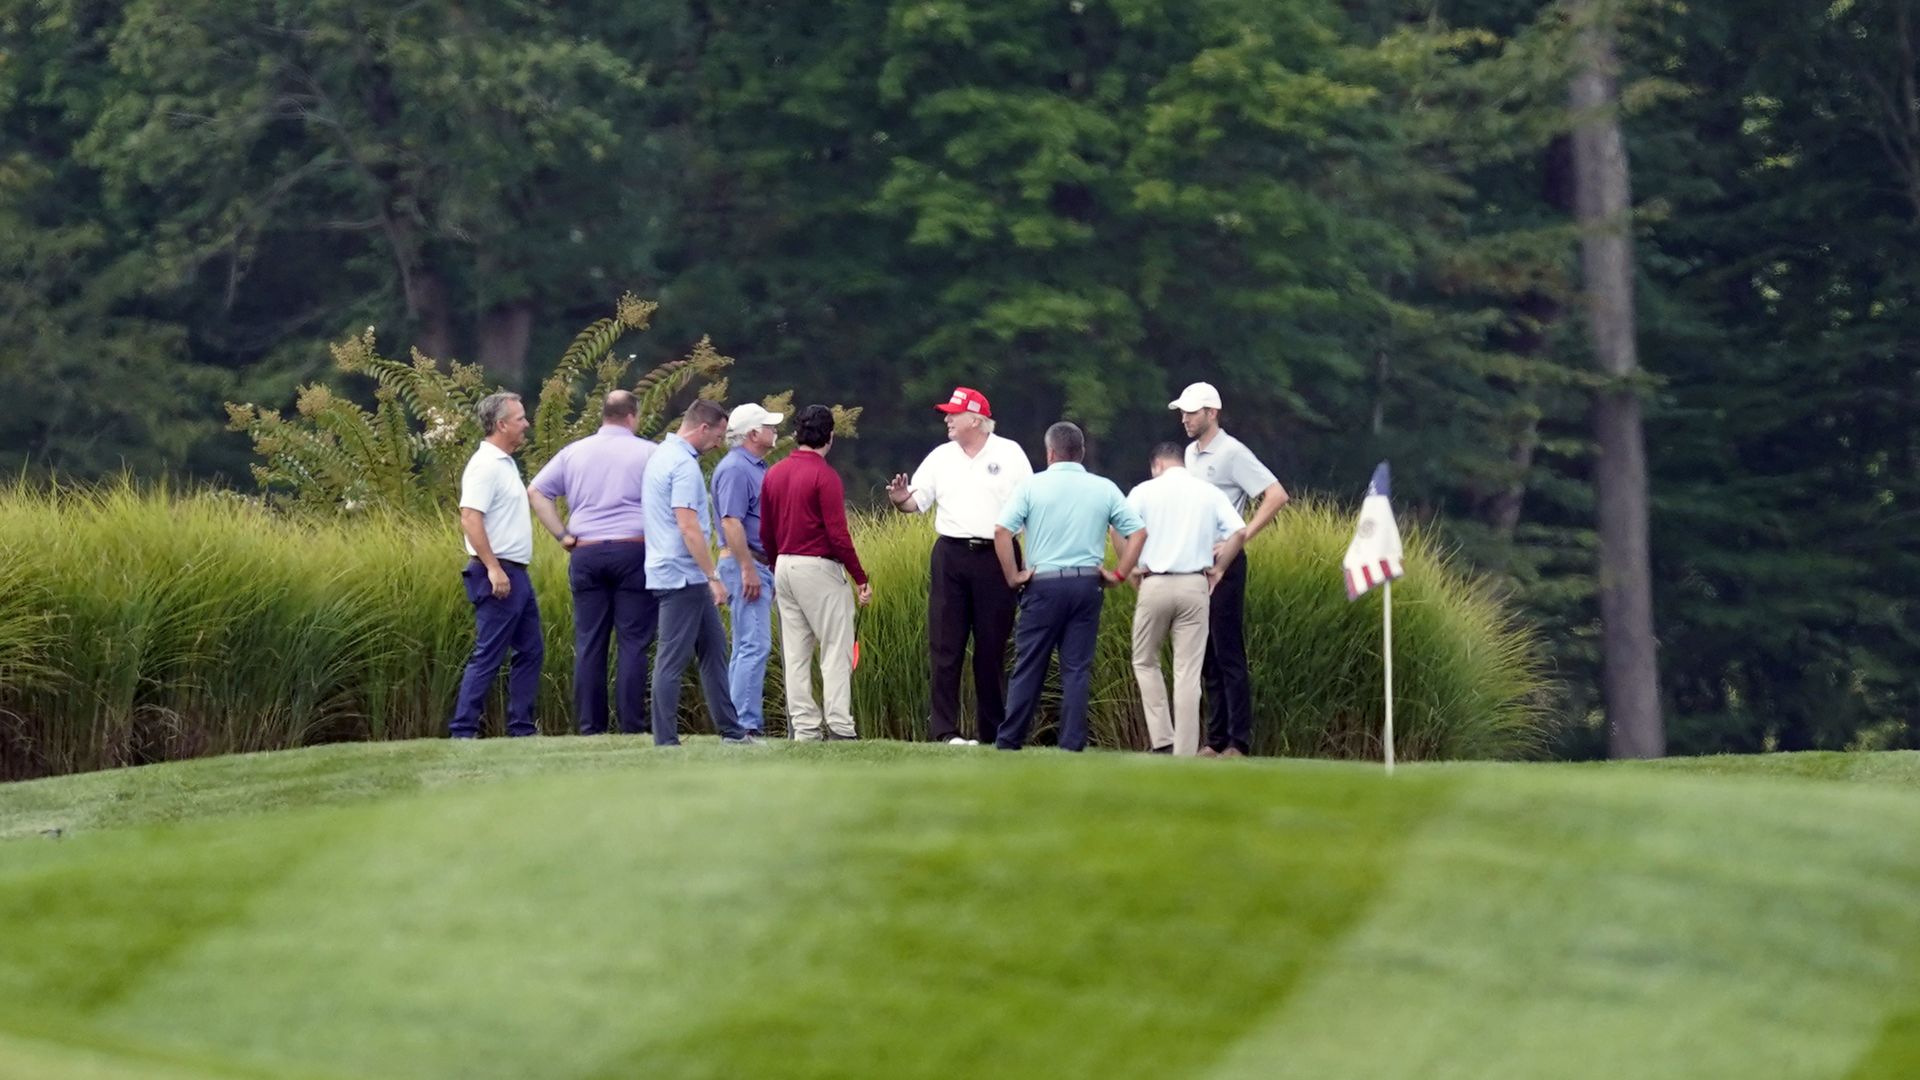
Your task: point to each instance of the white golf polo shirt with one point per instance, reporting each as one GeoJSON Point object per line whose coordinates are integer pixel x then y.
{"type": "Point", "coordinates": [491, 484]}
{"type": "Point", "coordinates": [967, 493]}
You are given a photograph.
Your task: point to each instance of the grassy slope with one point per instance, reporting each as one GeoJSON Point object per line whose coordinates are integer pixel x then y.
{"type": "Point", "coordinates": [579, 907]}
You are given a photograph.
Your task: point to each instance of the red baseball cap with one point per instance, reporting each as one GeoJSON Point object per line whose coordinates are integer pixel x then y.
{"type": "Point", "coordinates": [966, 399]}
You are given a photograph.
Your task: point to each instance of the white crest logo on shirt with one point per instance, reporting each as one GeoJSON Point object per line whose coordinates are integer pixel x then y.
{"type": "Point", "coordinates": [993, 468]}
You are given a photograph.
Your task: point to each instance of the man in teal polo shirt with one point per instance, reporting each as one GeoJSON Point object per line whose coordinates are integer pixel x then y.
{"type": "Point", "coordinates": [1066, 512]}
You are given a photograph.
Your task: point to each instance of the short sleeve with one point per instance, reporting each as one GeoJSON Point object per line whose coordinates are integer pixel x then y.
{"type": "Point", "coordinates": [1121, 513]}
{"type": "Point", "coordinates": [476, 485]}
{"type": "Point", "coordinates": [551, 480]}
{"type": "Point", "coordinates": [1013, 517]}
{"type": "Point", "coordinates": [1022, 468]}
{"type": "Point", "coordinates": [731, 491]}
{"type": "Point", "coordinates": [1251, 476]}
{"type": "Point", "coordinates": [685, 491]}
{"type": "Point", "coordinates": [1134, 502]}
{"type": "Point", "coordinates": [1227, 519]}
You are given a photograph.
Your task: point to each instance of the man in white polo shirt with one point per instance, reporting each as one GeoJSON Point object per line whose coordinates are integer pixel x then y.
{"type": "Point", "coordinates": [1193, 535]}
{"type": "Point", "coordinates": [1226, 463]}
{"type": "Point", "coordinates": [498, 523]}
{"type": "Point", "coordinates": [967, 481]}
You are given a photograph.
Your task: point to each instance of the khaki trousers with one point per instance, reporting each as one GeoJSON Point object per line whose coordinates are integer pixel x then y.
{"type": "Point", "coordinates": [1175, 603]}
{"type": "Point", "coordinates": [816, 608]}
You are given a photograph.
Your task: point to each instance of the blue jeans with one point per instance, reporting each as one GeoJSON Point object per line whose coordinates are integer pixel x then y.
{"type": "Point", "coordinates": [1063, 614]}
{"type": "Point", "coordinates": [752, 644]}
{"type": "Point", "coordinates": [500, 625]}
{"type": "Point", "coordinates": [609, 583]}
{"type": "Point", "coordinates": [689, 628]}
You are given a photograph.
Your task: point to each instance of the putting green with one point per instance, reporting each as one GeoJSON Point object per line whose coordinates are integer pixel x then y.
{"type": "Point", "coordinates": [597, 908]}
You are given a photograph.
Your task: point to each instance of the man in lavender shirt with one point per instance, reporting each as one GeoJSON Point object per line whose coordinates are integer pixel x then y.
{"type": "Point", "coordinates": [600, 478]}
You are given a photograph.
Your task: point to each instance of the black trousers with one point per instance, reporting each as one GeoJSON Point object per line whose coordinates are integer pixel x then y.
{"type": "Point", "coordinates": [1229, 690]}
{"type": "Point", "coordinates": [967, 595]}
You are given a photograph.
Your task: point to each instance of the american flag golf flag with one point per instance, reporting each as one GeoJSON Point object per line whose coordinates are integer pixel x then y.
{"type": "Point", "coordinates": [1374, 556]}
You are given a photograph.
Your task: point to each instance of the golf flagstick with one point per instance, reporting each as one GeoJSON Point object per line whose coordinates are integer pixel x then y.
{"type": "Point", "coordinates": [1373, 561]}
{"type": "Point", "coordinates": [1386, 637]}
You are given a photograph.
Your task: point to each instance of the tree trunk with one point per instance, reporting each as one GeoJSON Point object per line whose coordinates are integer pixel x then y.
{"type": "Point", "coordinates": [1630, 676]}
{"type": "Point", "coordinates": [505, 331]}
{"type": "Point", "coordinates": [1533, 317]}
{"type": "Point", "coordinates": [432, 312]}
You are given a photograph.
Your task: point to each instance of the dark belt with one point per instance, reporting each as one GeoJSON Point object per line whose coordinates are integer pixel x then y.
{"type": "Point", "coordinates": [972, 543]}
{"type": "Point", "coordinates": [1174, 573]}
{"type": "Point", "coordinates": [577, 542]}
{"type": "Point", "coordinates": [502, 562]}
{"type": "Point", "coordinates": [1068, 572]}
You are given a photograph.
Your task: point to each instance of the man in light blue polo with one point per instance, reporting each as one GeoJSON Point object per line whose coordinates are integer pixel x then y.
{"type": "Point", "coordinates": [1066, 512]}
{"type": "Point", "coordinates": [737, 480]}
{"type": "Point", "coordinates": [682, 576]}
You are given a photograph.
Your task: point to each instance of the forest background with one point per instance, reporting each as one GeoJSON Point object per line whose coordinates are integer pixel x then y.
{"type": "Point", "coordinates": [1355, 218]}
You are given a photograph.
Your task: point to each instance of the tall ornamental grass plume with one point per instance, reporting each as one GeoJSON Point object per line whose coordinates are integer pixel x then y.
{"type": "Point", "coordinates": [1468, 680]}
{"type": "Point", "coordinates": [148, 625]}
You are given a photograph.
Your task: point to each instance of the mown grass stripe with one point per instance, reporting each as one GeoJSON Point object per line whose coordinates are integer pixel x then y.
{"type": "Point", "coordinates": [592, 908]}
{"type": "Point", "coordinates": [1646, 927]}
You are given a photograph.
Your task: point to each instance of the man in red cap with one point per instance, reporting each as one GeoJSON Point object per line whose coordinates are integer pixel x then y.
{"type": "Point", "coordinates": [966, 481]}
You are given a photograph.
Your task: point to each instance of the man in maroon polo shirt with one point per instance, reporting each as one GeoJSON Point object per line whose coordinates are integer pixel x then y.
{"type": "Point", "coordinates": [803, 527]}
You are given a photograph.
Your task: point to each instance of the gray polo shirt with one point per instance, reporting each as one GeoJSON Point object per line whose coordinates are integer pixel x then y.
{"type": "Point", "coordinates": [1227, 464]}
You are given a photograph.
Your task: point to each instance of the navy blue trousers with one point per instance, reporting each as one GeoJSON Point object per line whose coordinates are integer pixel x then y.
{"type": "Point", "coordinates": [1062, 614]}
{"type": "Point", "coordinates": [689, 628]}
{"type": "Point", "coordinates": [611, 602]}
{"type": "Point", "coordinates": [499, 626]}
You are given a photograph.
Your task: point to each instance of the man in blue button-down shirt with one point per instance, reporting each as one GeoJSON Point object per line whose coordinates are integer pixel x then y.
{"type": "Point", "coordinates": [1066, 512]}
{"type": "Point", "coordinates": [752, 431]}
{"type": "Point", "coordinates": [682, 576]}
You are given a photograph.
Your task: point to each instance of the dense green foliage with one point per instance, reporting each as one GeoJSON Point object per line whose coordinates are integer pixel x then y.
{"type": "Point", "coordinates": [596, 907]}
{"type": "Point", "coordinates": [145, 628]}
{"type": "Point", "coordinates": [1353, 217]}
{"type": "Point", "coordinates": [406, 454]}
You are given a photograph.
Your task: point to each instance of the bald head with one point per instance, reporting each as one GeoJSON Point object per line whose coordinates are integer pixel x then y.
{"type": "Point", "coordinates": [620, 407]}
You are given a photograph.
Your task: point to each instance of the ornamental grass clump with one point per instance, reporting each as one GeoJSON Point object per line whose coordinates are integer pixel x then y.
{"type": "Point", "coordinates": [140, 626]}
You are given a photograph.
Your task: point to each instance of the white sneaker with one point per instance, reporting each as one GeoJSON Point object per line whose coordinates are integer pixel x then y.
{"type": "Point", "coordinates": [958, 741]}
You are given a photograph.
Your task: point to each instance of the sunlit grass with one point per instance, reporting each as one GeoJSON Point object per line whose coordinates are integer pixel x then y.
{"type": "Point", "coordinates": [597, 907]}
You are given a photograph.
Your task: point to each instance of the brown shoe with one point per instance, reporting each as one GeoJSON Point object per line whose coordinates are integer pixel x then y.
{"type": "Point", "coordinates": [1208, 751]}
{"type": "Point", "coordinates": [1232, 751]}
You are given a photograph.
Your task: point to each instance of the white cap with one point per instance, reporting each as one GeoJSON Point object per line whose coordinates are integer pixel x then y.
{"type": "Point", "coordinates": [1195, 397]}
{"type": "Point", "coordinates": [745, 418]}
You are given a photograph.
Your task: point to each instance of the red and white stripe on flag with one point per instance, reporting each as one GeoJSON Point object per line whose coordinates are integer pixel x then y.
{"type": "Point", "coordinates": [1373, 558]}
{"type": "Point", "coordinates": [1366, 576]}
